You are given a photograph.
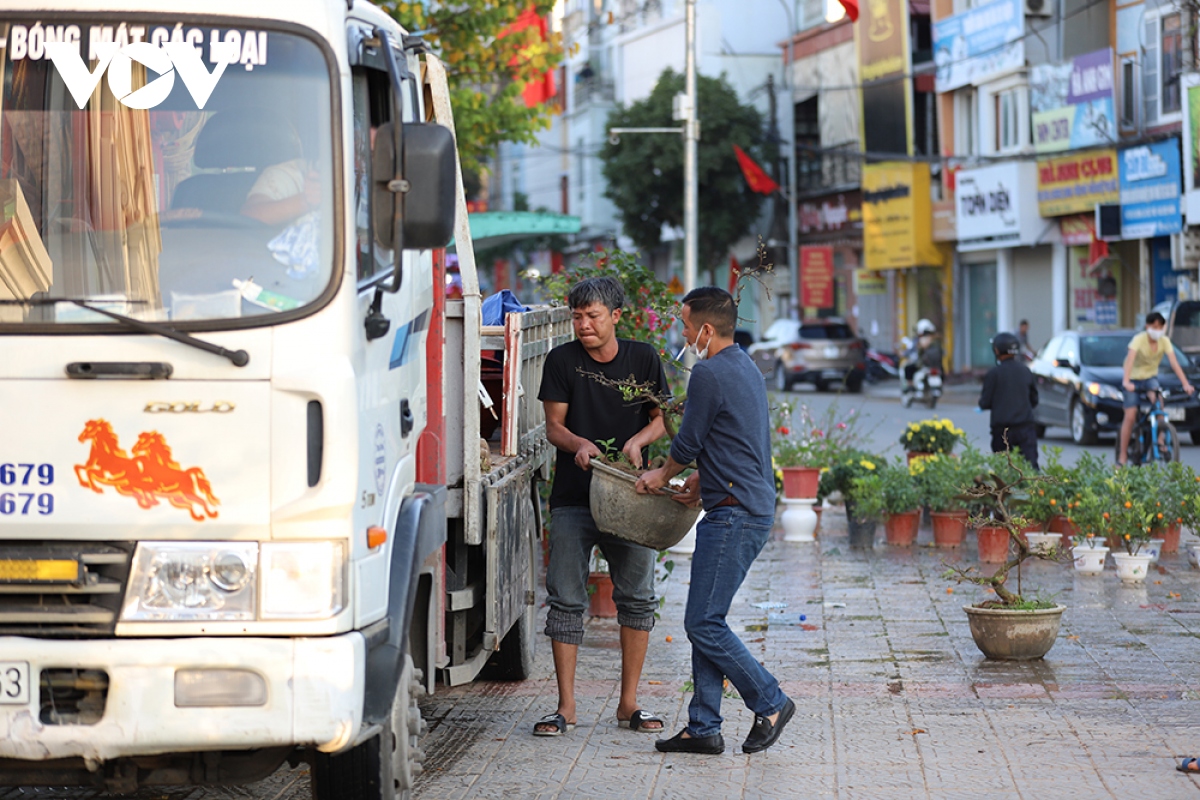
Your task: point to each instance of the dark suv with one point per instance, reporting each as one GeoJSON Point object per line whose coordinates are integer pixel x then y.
{"type": "Point", "coordinates": [823, 352]}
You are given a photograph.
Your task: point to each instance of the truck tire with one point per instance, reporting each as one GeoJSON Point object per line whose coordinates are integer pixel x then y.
{"type": "Point", "coordinates": [514, 660]}
{"type": "Point", "coordinates": [385, 766]}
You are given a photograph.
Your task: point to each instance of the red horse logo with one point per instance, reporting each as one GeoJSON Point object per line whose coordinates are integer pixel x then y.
{"type": "Point", "coordinates": [150, 474]}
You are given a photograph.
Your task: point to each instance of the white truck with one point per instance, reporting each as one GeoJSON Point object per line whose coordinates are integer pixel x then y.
{"type": "Point", "coordinates": [246, 510]}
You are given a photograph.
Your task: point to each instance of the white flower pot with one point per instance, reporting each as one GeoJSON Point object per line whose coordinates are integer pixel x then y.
{"type": "Point", "coordinates": [1043, 542]}
{"type": "Point", "coordinates": [1089, 560]}
{"type": "Point", "coordinates": [1152, 548]}
{"type": "Point", "coordinates": [799, 521]}
{"type": "Point", "coordinates": [1132, 569]}
{"type": "Point", "coordinates": [1194, 555]}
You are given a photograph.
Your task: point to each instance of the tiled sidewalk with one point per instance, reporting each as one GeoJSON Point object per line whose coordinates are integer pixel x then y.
{"type": "Point", "coordinates": [893, 699]}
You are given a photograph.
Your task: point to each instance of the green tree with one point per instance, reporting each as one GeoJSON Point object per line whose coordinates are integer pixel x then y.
{"type": "Point", "coordinates": [487, 71]}
{"type": "Point", "coordinates": [645, 171]}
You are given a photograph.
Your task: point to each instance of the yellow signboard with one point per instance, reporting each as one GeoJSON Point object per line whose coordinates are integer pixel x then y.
{"type": "Point", "coordinates": [1077, 183]}
{"type": "Point", "coordinates": [867, 282]}
{"type": "Point", "coordinates": [897, 217]}
{"type": "Point", "coordinates": [676, 285]}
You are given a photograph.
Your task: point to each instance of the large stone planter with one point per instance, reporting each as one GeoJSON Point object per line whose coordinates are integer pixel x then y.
{"type": "Point", "coordinates": [1005, 635]}
{"type": "Point", "coordinates": [651, 520]}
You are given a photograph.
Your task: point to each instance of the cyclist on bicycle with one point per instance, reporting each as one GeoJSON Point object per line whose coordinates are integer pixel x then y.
{"type": "Point", "coordinates": [1146, 351]}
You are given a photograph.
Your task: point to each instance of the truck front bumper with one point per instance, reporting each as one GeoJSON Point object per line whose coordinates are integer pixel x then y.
{"type": "Point", "coordinates": [313, 696]}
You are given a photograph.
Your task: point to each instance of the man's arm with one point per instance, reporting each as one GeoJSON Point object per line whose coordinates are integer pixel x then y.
{"type": "Point", "coordinates": [556, 431]}
{"type": "Point", "coordinates": [989, 388]}
{"type": "Point", "coordinates": [1127, 370]}
{"type": "Point", "coordinates": [1178, 370]}
{"type": "Point", "coordinates": [651, 433]}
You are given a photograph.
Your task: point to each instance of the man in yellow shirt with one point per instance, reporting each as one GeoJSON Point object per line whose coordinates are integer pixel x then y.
{"type": "Point", "coordinates": [1146, 350]}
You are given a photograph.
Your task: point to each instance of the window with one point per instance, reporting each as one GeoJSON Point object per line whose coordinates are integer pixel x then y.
{"type": "Point", "coordinates": [1128, 98]}
{"type": "Point", "coordinates": [966, 123]}
{"type": "Point", "coordinates": [1007, 120]}
{"type": "Point", "coordinates": [1161, 67]}
{"type": "Point", "coordinates": [372, 99]}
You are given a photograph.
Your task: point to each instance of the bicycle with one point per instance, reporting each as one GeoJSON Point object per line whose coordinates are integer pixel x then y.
{"type": "Point", "coordinates": [1153, 437]}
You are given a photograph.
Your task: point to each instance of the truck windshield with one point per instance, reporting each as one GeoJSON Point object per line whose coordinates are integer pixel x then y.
{"type": "Point", "coordinates": [164, 172]}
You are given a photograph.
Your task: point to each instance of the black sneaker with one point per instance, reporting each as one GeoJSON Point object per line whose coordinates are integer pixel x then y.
{"type": "Point", "coordinates": [708, 745]}
{"type": "Point", "coordinates": [764, 734]}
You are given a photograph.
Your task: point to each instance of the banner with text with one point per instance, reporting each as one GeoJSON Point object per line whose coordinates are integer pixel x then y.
{"type": "Point", "coordinates": [816, 277]}
{"type": "Point", "coordinates": [977, 45]}
{"type": "Point", "coordinates": [1072, 103]}
{"type": "Point", "coordinates": [1150, 190]}
{"type": "Point", "coordinates": [1076, 183]}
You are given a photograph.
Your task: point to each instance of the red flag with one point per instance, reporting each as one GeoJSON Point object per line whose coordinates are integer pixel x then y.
{"type": "Point", "coordinates": [851, 7]}
{"type": "Point", "coordinates": [758, 180]}
{"type": "Point", "coordinates": [540, 88]}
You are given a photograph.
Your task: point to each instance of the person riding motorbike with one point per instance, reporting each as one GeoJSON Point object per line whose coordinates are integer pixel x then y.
{"type": "Point", "coordinates": [924, 351]}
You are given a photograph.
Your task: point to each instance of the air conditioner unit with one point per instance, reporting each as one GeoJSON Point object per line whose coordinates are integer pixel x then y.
{"type": "Point", "coordinates": [1039, 8]}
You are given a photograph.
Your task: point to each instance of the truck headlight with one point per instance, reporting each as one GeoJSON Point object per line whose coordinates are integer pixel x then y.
{"type": "Point", "coordinates": [302, 579]}
{"type": "Point", "coordinates": [185, 581]}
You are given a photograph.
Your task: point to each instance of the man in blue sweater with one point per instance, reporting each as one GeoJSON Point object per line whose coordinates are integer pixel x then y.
{"type": "Point", "coordinates": [726, 430]}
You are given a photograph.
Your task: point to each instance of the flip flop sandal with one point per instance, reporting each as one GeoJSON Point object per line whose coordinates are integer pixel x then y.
{"type": "Point", "coordinates": [637, 722]}
{"type": "Point", "coordinates": [1190, 766]}
{"type": "Point", "coordinates": [559, 722]}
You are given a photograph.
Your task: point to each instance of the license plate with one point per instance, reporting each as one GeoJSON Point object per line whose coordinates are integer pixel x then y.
{"type": "Point", "coordinates": [38, 570]}
{"type": "Point", "coordinates": [1176, 414]}
{"type": "Point", "coordinates": [14, 683]}
{"type": "Point", "coordinates": [832, 352]}
{"type": "Point", "coordinates": [935, 380]}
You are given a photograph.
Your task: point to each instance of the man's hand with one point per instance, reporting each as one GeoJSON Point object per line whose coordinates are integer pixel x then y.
{"type": "Point", "coordinates": [633, 453]}
{"type": "Point", "coordinates": [651, 482]}
{"type": "Point", "coordinates": [690, 495]}
{"type": "Point", "coordinates": [1188, 388]}
{"type": "Point", "coordinates": [1128, 384]}
{"type": "Point", "coordinates": [584, 455]}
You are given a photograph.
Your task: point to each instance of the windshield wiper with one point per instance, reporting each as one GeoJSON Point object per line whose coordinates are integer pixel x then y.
{"type": "Point", "coordinates": [239, 358]}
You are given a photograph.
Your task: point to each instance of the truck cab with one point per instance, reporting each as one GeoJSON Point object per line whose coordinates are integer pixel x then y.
{"type": "Point", "coordinates": [234, 397]}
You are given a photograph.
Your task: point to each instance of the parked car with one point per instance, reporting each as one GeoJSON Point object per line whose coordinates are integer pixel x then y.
{"type": "Point", "coordinates": [823, 352]}
{"type": "Point", "coordinates": [1079, 385]}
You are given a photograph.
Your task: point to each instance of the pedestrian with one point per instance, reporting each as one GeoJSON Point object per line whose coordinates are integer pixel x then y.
{"type": "Point", "coordinates": [1139, 373]}
{"type": "Point", "coordinates": [1027, 352]}
{"type": "Point", "coordinates": [726, 431]}
{"type": "Point", "coordinates": [1010, 391]}
{"type": "Point", "coordinates": [580, 411]}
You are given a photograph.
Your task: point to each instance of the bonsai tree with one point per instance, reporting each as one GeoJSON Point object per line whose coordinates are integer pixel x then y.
{"type": "Point", "coordinates": [999, 492]}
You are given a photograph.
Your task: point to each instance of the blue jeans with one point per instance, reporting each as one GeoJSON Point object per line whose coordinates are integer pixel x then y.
{"type": "Point", "coordinates": [1131, 399]}
{"type": "Point", "coordinates": [728, 539]}
{"type": "Point", "coordinates": [573, 534]}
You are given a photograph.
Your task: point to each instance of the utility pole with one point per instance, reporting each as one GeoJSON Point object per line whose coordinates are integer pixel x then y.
{"type": "Point", "coordinates": [793, 222]}
{"type": "Point", "coordinates": [691, 134]}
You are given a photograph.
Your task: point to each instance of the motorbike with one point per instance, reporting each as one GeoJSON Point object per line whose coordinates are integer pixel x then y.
{"type": "Point", "coordinates": [926, 384]}
{"type": "Point", "coordinates": [881, 366]}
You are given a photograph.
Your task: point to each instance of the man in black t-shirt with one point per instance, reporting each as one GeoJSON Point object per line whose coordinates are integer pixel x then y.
{"type": "Point", "coordinates": [580, 412]}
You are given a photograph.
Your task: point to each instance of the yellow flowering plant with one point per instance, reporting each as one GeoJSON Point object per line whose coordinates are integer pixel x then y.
{"type": "Point", "coordinates": [843, 474]}
{"type": "Point", "coordinates": [931, 436]}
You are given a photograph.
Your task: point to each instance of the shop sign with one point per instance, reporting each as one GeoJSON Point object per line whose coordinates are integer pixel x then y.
{"type": "Point", "coordinates": [1076, 183]}
{"type": "Point", "coordinates": [945, 223]}
{"type": "Point", "coordinates": [868, 282]}
{"type": "Point", "coordinates": [897, 216]}
{"type": "Point", "coordinates": [1150, 190]}
{"type": "Point", "coordinates": [1072, 103]}
{"type": "Point", "coordinates": [884, 63]}
{"type": "Point", "coordinates": [1078, 229]}
{"type": "Point", "coordinates": [989, 211]}
{"type": "Point", "coordinates": [831, 213]}
{"type": "Point", "coordinates": [980, 44]}
{"type": "Point", "coordinates": [1190, 83]}
{"type": "Point", "coordinates": [816, 277]}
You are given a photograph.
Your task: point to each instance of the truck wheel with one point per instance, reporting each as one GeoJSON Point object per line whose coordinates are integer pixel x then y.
{"type": "Point", "coordinates": [384, 767]}
{"type": "Point", "coordinates": [514, 660]}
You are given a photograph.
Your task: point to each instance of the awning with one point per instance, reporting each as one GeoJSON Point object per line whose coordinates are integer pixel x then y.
{"type": "Point", "coordinates": [495, 228]}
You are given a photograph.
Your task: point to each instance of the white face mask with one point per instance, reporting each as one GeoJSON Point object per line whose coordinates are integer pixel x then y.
{"type": "Point", "coordinates": [700, 354]}
{"type": "Point", "coordinates": [1155, 333]}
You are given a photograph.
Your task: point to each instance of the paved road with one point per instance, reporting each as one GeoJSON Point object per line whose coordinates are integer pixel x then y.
{"type": "Point", "coordinates": [893, 699]}
{"type": "Point", "coordinates": [885, 418]}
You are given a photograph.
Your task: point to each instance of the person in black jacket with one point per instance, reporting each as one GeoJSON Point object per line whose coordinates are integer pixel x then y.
{"type": "Point", "coordinates": [1010, 391]}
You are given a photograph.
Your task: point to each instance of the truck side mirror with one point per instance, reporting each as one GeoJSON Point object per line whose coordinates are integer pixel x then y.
{"type": "Point", "coordinates": [413, 204]}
